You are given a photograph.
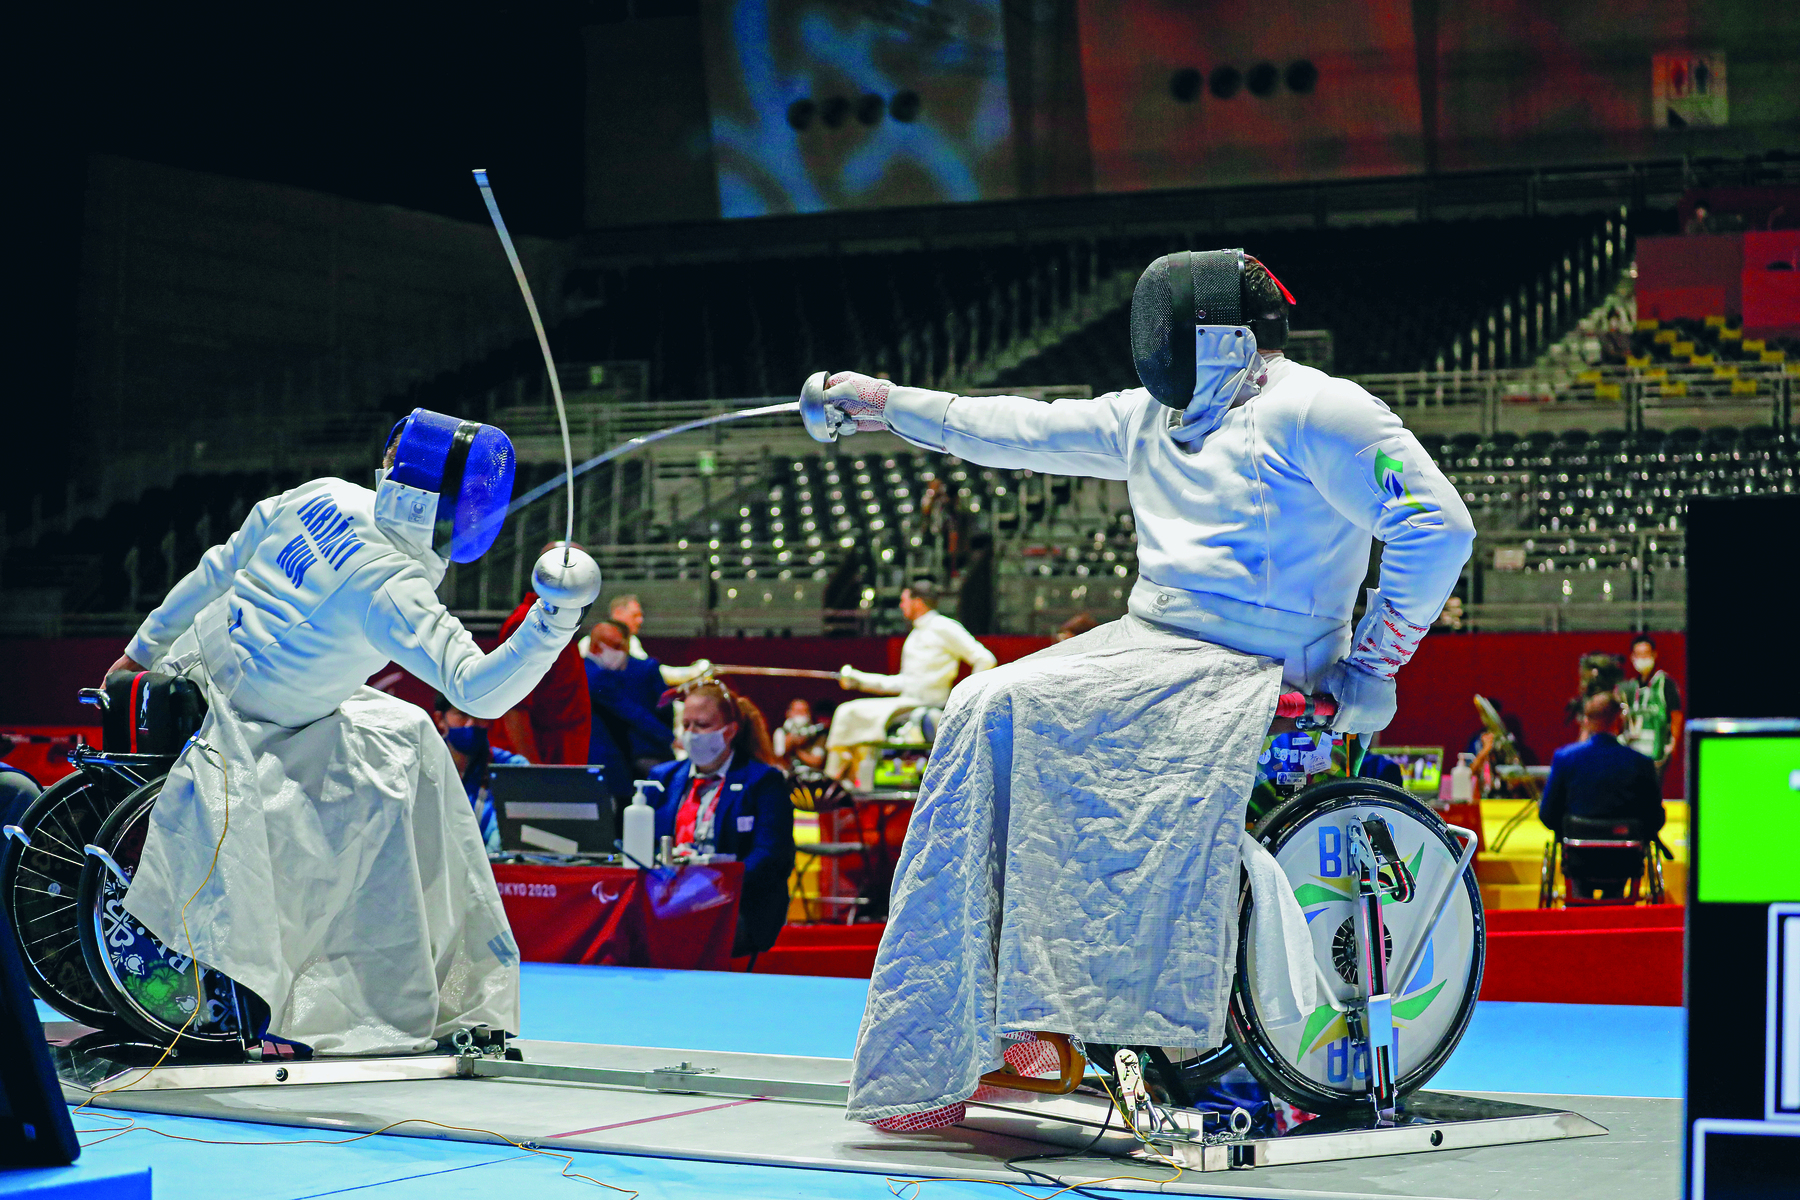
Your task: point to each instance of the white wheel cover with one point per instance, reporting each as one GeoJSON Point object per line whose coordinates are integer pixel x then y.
{"type": "Point", "coordinates": [1315, 859]}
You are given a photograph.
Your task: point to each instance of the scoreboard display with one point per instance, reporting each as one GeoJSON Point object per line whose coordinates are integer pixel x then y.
{"type": "Point", "coordinates": [1742, 951]}
{"type": "Point", "coordinates": [1743, 959]}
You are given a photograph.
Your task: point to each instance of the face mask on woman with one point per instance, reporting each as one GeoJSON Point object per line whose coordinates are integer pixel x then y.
{"type": "Point", "coordinates": [706, 747]}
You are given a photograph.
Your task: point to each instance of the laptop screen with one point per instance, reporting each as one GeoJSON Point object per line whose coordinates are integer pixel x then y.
{"type": "Point", "coordinates": [553, 809]}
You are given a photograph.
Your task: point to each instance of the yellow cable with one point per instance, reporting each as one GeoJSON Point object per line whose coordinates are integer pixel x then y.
{"type": "Point", "coordinates": [199, 997]}
{"type": "Point", "coordinates": [199, 988]}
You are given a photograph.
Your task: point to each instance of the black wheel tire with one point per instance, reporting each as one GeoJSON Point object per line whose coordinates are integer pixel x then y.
{"type": "Point", "coordinates": [41, 889]}
{"type": "Point", "coordinates": [122, 836]}
{"type": "Point", "coordinates": [1252, 1042]}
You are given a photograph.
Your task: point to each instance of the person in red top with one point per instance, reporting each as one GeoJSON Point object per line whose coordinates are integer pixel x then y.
{"type": "Point", "coordinates": [551, 725]}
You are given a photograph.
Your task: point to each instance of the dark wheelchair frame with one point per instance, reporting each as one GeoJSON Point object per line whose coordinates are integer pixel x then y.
{"type": "Point", "coordinates": [1583, 834]}
{"type": "Point", "coordinates": [64, 870]}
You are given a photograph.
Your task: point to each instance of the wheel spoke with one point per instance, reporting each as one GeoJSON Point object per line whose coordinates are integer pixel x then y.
{"type": "Point", "coordinates": [44, 832]}
{"type": "Point", "coordinates": [58, 950]}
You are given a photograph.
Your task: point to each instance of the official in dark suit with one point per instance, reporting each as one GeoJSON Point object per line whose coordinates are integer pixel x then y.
{"type": "Point", "coordinates": [630, 732]}
{"type": "Point", "coordinates": [725, 798]}
{"type": "Point", "coordinates": [1599, 777]}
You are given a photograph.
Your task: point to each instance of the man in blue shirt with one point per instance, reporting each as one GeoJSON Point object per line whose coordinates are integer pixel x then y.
{"type": "Point", "coordinates": [1599, 777]}
{"type": "Point", "coordinates": [629, 735]}
{"type": "Point", "coordinates": [470, 751]}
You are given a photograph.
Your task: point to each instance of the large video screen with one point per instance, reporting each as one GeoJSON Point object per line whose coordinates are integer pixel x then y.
{"type": "Point", "coordinates": [818, 105]}
{"type": "Point", "coordinates": [1202, 95]}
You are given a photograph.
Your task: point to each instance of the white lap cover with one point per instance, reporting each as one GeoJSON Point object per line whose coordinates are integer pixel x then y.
{"type": "Point", "coordinates": [855, 722]}
{"type": "Point", "coordinates": [1072, 864]}
{"type": "Point", "coordinates": [352, 890]}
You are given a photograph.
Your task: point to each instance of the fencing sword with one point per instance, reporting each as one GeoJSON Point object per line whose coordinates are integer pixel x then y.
{"type": "Point", "coordinates": [642, 440]}
{"type": "Point", "coordinates": [784, 672]}
{"type": "Point", "coordinates": [821, 421]}
{"type": "Point", "coordinates": [577, 580]}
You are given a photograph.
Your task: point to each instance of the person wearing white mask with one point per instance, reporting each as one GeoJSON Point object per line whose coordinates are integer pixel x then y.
{"type": "Point", "coordinates": [1072, 864]}
{"type": "Point", "coordinates": [727, 797]}
{"type": "Point", "coordinates": [1652, 701]}
{"type": "Point", "coordinates": [627, 611]}
{"type": "Point", "coordinates": [631, 732]}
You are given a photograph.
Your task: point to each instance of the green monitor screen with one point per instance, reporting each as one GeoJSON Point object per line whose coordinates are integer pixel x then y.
{"type": "Point", "coordinates": [1747, 809]}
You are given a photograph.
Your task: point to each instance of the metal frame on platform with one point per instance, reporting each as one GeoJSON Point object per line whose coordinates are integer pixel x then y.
{"type": "Point", "coordinates": [1086, 1120]}
{"type": "Point", "coordinates": [1200, 1141]}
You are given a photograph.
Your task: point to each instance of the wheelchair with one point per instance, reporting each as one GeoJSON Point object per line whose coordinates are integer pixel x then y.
{"type": "Point", "coordinates": [1369, 865]}
{"type": "Point", "coordinates": [68, 863]}
{"type": "Point", "coordinates": [1608, 854]}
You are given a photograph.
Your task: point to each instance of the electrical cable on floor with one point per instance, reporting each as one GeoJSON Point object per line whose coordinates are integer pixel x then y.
{"type": "Point", "coordinates": [528, 1147]}
{"type": "Point", "coordinates": [1012, 1164]}
{"type": "Point", "coordinates": [917, 1185]}
{"type": "Point", "coordinates": [131, 1125]}
{"type": "Point", "coordinates": [208, 752]}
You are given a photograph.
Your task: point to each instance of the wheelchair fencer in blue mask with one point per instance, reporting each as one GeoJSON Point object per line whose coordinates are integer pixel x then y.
{"type": "Point", "coordinates": [351, 890]}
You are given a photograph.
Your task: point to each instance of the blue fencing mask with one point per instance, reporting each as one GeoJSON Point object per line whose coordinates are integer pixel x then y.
{"type": "Point", "coordinates": [1191, 337]}
{"type": "Point", "coordinates": [468, 465]}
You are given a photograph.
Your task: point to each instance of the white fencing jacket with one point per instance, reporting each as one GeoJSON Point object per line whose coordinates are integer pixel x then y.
{"type": "Point", "coordinates": [1258, 538]}
{"type": "Point", "coordinates": [322, 587]}
{"type": "Point", "coordinates": [929, 659]}
{"type": "Point", "coordinates": [350, 888]}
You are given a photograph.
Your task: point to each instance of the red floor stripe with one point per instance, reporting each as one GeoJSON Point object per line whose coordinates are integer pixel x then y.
{"type": "Point", "coordinates": [686, 1112]}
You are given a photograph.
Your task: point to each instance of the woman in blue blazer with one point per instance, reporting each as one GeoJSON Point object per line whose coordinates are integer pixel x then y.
{"type": "Point", "coordinates": [725, 798]}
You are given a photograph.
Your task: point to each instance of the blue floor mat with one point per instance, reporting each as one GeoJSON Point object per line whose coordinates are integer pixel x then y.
{"type": "Point", "coordinates": [1558, 1048]}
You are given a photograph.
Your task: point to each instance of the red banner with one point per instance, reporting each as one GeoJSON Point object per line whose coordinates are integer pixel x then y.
{"type": "Point", "coordinates": [621, 916]}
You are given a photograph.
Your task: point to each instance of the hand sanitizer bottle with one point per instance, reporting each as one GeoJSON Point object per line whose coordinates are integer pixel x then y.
{"type": "Point", "coordinates": [639, 836]}
{"type": "Point", "coordinates": [1462, 780]}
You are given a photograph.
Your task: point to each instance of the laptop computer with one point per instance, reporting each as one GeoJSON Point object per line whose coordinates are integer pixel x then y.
{"type": "Point", "coordinates": [552, 809]}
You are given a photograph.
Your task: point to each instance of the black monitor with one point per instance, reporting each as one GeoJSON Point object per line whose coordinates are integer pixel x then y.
{"type": "Point", "coordinates": [552, 809]}
{"type": "Point", "coordinates": [35, 1130]}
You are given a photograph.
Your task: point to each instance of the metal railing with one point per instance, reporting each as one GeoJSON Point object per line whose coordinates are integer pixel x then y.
{"type": "Point", "coordinates": [1604, 397]}
{"type": "Point", "coordinates": [641, 506]}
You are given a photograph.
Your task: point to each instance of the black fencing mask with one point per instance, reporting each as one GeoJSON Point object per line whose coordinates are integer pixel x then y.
{"type": "Point", "coordinates": [1175, 295]}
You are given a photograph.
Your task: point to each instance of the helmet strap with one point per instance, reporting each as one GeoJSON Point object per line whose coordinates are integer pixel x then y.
{"type": "Point", "coordinates": [456, 462]}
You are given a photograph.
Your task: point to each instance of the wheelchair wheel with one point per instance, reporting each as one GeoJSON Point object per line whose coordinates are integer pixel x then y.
{"type": "Point", "coordinates": [41, 886]}
{"type": "Point", "coordinates": [149, 985]}
{"type": "Point", "coordinates": [1312, 1061]}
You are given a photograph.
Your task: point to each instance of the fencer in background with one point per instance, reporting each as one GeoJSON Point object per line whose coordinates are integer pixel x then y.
{"type": "Point", "coordinates": [1072, 864]}
{"type": "Point", "coordinates": [934, 651]}
{"type": "Point", "coordinates": [351, 891]}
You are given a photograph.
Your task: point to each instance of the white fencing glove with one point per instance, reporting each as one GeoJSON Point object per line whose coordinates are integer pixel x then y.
{"type": "Point", "coordinates": [843, 404]}
{"type": "Point", "coordinates": [853, 680]}
{"type": "Point", "coordinates": [676, 676]}
{"type": "Point", "coordinates": [1363, 681]}
{"type": "Point", "coordinates": [846, 403]}
{"type": "Point", "coordinates": [1365, 702]}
